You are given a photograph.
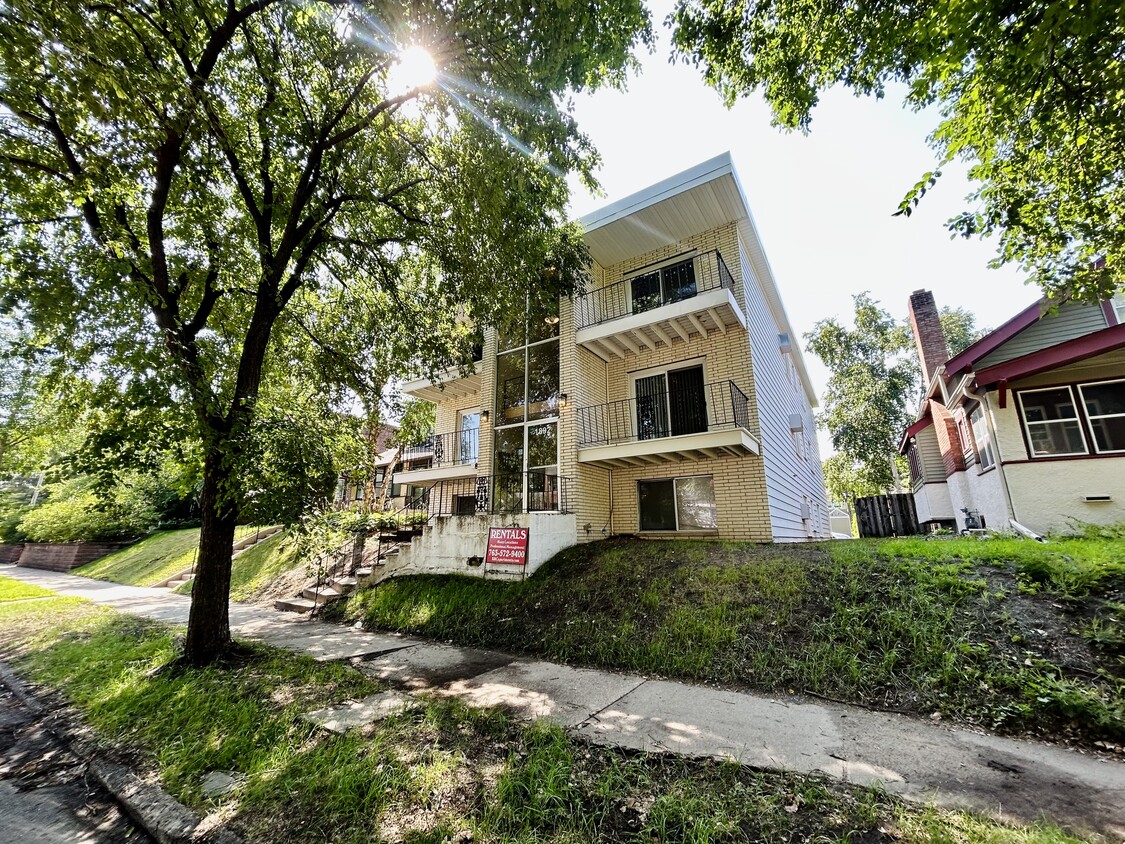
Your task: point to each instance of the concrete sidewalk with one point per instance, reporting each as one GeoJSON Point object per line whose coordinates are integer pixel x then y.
{"type": "Point", "coordinates": [1007, 778]}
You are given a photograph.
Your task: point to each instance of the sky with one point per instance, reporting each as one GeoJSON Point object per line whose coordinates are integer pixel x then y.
{"type": "Point", "coordinates": [822, 202]}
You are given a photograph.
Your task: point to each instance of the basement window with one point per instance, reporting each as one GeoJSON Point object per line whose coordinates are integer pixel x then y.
{"type": "Point", "coordinates": [678, 504]}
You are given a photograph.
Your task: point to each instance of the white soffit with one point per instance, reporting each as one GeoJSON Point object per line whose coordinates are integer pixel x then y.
{"type": "Point", "coordinates": [704, 197]}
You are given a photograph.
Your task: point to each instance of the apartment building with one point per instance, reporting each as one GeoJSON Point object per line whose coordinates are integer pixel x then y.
{"type": "Point", "coordinates": [669, 399]}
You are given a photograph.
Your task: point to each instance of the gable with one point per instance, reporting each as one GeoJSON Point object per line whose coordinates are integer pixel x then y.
{"type": "Point", "coordinates": [1072, 320]}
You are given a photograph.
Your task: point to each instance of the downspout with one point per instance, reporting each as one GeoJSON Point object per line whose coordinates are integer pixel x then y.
{"type": "Point", "coordinates": [983, 400]}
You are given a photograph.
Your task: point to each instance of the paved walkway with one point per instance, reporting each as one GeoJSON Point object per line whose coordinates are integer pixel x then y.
{"type": "Point", "coordinates": [1007, 778]}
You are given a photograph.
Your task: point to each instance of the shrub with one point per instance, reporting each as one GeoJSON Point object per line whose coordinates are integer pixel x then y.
{"type": "Point", "coordinates": [74, 512]}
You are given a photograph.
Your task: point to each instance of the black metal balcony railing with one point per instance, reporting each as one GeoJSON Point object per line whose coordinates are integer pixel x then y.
{"type": "Point", "coordinates": [707, 407]}
{"type": "Point", "coordinates": [456, 448]}
{"type": "Point", "coordinates": [526, 492]}
{"type": "Point", "coordinates": [652, 289]}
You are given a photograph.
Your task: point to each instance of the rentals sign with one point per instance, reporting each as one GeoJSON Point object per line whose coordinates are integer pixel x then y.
{"type": "Point", "coordinates": [507, 546]}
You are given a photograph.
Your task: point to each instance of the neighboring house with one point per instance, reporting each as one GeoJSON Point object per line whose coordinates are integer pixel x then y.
{"type": "Point", "coordinates": [1027, 425]}
{"type": "Point", "coordinates": [350, 492]}
{"type": "Point", "coordinates": [667, 400]}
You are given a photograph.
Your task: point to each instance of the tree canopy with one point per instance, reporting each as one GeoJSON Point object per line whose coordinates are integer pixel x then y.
{"type": "Point", "coordinates": [874, 387]}
{"type": "Point", "coordinates": [189, 184]}
{"type": "Point", "coordinates": [1031, 95]}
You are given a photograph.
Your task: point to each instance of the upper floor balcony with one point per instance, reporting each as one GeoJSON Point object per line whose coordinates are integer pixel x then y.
{"type": "Point", "coordinates": [658, 305]}
{"type": "Point", "coordinates": [451, 383]}
{"type": "Point", "coordinates": [671, 418]}
{"type": "Point", "coordinates": [450, 455]}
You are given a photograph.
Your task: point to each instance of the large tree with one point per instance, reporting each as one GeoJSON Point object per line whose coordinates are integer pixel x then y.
{"type": "Point", "coordinates": [874, 386]}
{"type": "Point", "coordinates": [1031, 94]}
{"type": "Point", "coordinates": [179, 176]}
{"type": "Point", "coordinates": [870, 395]}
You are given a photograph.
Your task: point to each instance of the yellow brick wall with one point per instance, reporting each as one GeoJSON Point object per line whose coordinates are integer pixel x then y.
{"type": "Point", "coordinates": [740, 489]}
{"type": "Point", "coordinates": [740, 496]}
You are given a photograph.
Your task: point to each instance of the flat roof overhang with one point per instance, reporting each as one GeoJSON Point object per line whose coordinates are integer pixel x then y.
{"type": "Point", "coordinates": [450, 384]}
{"type": "Point", "coordinates": [712, 311]}
{"type": "Point", "coordinates": [707, 445]}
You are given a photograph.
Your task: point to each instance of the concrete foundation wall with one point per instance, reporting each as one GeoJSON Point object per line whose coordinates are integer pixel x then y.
{"type": "Point", "coordinates": [457, 544]}
{"type": "Point", "coordinates": [932, 503]}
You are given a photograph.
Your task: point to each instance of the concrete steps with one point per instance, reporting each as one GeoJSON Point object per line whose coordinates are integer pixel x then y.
{"type": "Point", "coordinates": [338, 587]}
{"type": "Point", "coordinates": [244, 544]}
{"type": "Point", "coordinates": [298, 605]}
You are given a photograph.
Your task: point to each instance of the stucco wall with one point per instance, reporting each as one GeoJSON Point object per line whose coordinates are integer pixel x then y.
{"type": "Point", "coordinates": [450, 542]}
{"type": "Point", "coordinates": [932, 503]}
{"type": "Point", "coordinates": [1048, 496]}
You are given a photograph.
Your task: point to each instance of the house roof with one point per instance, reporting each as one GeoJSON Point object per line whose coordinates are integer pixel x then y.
{"type": "Point", "coordinates": [1052, 357]}
{"type": "Point", "coordinates": [701, 198]}
{"type": "Point", "coordinates": [965, 360]}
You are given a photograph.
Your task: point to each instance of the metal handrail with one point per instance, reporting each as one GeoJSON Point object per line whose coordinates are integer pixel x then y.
{"type": "Point", "coordinates": [707, 271]}
{"type": "Point", "coordinates": [721, 406]}
{"type": "Point", "coordinates": [454, 448]}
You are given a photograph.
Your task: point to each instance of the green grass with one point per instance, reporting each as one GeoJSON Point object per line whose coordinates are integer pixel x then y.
{"type": "Point", "coordinates": [430, 774]}
{"type": "Point", "coordinates": [254, 569]}
{"type": "Point", "coordinates": [167, 553]}
{"type": "Point", "coordinates": [988, 632]}
{"type": "Point", "coordinates": [148, 562]}
{"type": "Point", "coordinates": [14, 590]}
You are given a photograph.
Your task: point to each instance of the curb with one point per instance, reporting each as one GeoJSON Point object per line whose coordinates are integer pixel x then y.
{"type": "Point", "coordinates": [156, 811]}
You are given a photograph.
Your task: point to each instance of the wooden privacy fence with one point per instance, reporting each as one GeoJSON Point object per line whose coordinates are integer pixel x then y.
{"type": "Point", "coordinates": [886, 515]}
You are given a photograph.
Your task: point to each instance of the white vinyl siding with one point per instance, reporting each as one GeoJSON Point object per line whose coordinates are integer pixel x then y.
{"type": "Point", "coordinates": [792, 482]}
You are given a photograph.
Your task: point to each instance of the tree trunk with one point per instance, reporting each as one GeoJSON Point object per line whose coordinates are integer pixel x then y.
{"type": "Point", "coordinates": [208, 633]}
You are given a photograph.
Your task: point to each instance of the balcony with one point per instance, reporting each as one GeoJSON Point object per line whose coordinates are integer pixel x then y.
{"type": "Point", "coordinates": [659, 307]}
{"type": "Point", "coordinates": [686, 423]}
{"type": "Point", "coordinates": [452, 383]}
{"type": "Point", "coordinates": [452, 455]}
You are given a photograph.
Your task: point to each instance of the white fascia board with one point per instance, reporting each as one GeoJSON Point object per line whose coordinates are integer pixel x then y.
{"type": "Point", "coordinates": [666, 445]}
{"type": "Point", "coordinates": [442, 473]}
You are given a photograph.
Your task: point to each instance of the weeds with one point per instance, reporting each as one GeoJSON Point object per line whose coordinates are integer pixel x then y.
{"type": "Point", "coordinates": [429, 775]}
{"type": "Point", "coordinates": [917, 625]}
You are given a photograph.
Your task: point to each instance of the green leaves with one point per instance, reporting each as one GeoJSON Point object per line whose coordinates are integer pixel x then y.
{"type": "Point", "coordinates": [1032, 97]}
{"type": "Point", "coordinates": [867, 403]}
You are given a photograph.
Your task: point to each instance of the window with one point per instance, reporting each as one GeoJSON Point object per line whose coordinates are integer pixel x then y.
{"type": "Point", "coordinates": [967, 448]}
{"type": "Point", "coordinates": [915, 462]}
{"type": "Point", "coordinates": [468, 435]}
{"type": "Point", "coordinates": [672, 283]}
{"type": "Point", "coordinates": [527, 405]}
{"type": "Point", "coordinates": [1119, 307]}
{"type": "Point", "coordinates": [981, 439]}
{"type": "Point", "coordinates": [1051, 422]}
{"type": "Point", "coordinates": [677, 504]}
{"type": "Point", "coordinates": [1105, 408]}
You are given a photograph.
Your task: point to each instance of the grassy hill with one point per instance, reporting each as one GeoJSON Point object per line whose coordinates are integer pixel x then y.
{"type": "Point", "coordinates": [162, 555]}
{"type": "Point", "coordinates": [1009, 634]}
{"type": "Point", "coordinates": [148, 562]}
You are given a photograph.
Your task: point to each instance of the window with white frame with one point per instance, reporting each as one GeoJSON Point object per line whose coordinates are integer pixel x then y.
{"type": "Point", "coordinates": [683, 504]}
{"type": "Point", "coordinates": [981, 438]}
{"type": "Point", "coordinates": [1119, 308]}
{"type": "Point", "coordinates": [967, 449]}
{"type": "Point", "coordinates": [1105, 408]}
{"type": "Point", "coordinates": [1050, 419]}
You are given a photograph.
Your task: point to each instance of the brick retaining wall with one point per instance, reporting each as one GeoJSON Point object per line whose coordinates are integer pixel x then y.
{"type": "Point", "coordinates": [10, 553]}
{"type": "Point", "coordinates": [65, 556]}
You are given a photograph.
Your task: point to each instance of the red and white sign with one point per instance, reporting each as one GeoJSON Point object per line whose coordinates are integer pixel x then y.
{"type": "Point", "coordinates": [507, 546]}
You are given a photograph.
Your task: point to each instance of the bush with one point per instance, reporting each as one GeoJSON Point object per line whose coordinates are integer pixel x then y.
{"type": "Point", "coordinates": [73, 512]}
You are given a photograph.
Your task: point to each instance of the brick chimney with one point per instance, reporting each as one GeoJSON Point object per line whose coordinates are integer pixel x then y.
{"type": "Point", "coordinates": [928, 336]}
